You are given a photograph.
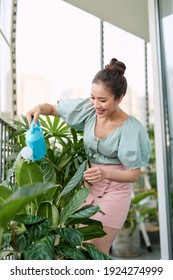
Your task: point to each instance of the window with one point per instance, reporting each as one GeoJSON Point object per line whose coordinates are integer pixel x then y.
{"type": "Point", "coordinates": [58, 52]}
{"type": "Point", "coordinates": [131, 50]}
{"type": "Point", "coordinates": [5, 58]}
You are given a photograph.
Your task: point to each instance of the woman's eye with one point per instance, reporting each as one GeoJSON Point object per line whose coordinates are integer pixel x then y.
{"type": "Point", "coordinates": [100, 100]}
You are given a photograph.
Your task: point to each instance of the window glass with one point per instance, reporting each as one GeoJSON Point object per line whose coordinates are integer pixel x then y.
{"type": "Point", "coordinates": [5, 18]}
{"type": "Point", "coordinates": [5, 59]}
{"type": "Point", "coordinates": [166, 23]}
{"type": "Point", "coordinates": [130, 49]}
{"type": "Point", "coordinates": [58, 52]}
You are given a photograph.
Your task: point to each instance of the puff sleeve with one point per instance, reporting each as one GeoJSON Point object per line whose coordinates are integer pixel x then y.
{"type": "Point", "coordinates": [134, 146]}
{"type": "Point", "coordinates": [75, 111]}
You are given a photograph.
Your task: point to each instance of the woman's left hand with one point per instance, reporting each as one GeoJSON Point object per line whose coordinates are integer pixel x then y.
{"type": "Point", "coordinates": [94, 174]}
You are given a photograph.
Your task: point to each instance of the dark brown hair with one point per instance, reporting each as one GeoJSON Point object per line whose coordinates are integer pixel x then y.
{"type": "Point", "coordinates": [112, 76]}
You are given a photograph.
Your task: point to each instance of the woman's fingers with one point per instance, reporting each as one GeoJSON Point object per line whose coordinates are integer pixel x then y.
{"type": "Point", "coordinates": [93, 174]}
{"type": "Point", "coordinates": [33, 114]}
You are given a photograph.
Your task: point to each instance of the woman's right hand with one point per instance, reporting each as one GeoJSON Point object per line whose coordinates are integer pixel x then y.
{"type": "Point", "coordinates": [33, 114]}
{"type": "Point", "coordinates": [41, 109]}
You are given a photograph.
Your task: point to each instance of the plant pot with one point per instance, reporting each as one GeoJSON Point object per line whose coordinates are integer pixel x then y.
{"type": "Point", "coordinates": [126, 245]}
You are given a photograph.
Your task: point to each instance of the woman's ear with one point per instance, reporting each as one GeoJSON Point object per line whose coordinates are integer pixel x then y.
{"type": "Point", "coordinates": [120, 99]}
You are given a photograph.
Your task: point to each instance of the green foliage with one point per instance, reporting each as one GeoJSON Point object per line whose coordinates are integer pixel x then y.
{"type": "Point", "coordinates": [65, 148]}
{"type": "Point", "coordinates": [139, 209]}
{"type": "Point", "coordinates": [152, 162]}
{"type": "Point", "coordinates": [42, 217]}
{"type": "Point", "coordinates": [26, 173]}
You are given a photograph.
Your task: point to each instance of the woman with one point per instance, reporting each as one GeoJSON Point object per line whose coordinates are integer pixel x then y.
{"type": "Point", "coordinates": [116, 144]}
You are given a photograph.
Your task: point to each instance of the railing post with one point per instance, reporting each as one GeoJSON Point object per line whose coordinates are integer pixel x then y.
{"type": "Point", "coordinates": [5, 147]}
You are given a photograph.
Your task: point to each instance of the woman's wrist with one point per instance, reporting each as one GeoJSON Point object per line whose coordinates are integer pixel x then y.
{"type": "Point", "coordinates": [106, 174]}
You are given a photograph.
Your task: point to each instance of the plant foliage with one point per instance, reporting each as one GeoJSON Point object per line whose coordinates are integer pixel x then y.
{"type": "Point", "coordinates": [41, 212]}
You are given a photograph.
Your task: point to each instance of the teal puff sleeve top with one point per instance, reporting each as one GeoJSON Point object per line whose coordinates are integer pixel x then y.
{"type": "Point", "coordinates": [128, 145]}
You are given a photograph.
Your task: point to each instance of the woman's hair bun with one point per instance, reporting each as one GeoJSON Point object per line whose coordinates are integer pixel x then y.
{"type": "Point", "coordinates": [116, 65]}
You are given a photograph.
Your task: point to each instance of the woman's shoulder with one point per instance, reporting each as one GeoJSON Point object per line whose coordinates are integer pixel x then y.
{"type": "Point", "coordinates": [133, 129]}
{"type": "Point", "coordinates": [135, 147]}
{"type": "Point", "coordinates": [133, 122]}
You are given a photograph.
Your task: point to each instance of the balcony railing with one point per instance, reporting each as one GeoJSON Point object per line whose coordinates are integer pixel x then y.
{"type": "Point", "coordinates": [6, 147]}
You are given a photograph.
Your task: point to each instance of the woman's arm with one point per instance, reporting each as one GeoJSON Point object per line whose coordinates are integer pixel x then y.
{"type": "Point", "coordinates": [41, 109]}
{"type": "Point", "coordinates": [96, 174]}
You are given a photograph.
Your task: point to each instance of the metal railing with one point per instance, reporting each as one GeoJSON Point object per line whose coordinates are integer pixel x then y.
{"type": "Point", "coordinates": [6, 147]}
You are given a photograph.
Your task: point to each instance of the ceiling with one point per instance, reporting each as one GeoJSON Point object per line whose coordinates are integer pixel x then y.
{"type": "Point", "coordinates": [130, 15]}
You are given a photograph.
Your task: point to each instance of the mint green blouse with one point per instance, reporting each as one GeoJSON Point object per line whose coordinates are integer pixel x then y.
{"type": "Point", "coordinates": [128, 145]}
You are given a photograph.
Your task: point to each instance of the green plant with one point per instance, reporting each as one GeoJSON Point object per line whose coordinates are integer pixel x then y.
{"type": "Point", "coordinates": [65, 148]}
{"type": "Point", "coordinates": [152, 162]}
{"type": "Point", "coordinates": [40, 211]}
{"type": "Point", "coordinates": [140, 210]}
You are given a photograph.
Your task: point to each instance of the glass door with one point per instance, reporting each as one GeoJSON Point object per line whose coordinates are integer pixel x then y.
{"type": "Point", "coordinates": [165, 10]}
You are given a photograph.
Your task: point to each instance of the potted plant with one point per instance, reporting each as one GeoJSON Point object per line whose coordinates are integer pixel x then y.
{"type": "Point", "coordinates": [40, 207]}
{"type": "Point", "coordinates": [128, 243]}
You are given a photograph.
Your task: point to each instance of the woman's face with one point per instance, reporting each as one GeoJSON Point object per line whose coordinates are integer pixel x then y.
{"type": "Point", "coordinates": [103, 100]}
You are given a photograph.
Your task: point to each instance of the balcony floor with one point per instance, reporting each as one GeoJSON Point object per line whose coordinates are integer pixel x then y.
{"type": "Point", "coordinates": [145, 254]}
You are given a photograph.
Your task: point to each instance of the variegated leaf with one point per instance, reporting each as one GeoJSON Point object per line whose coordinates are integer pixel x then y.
{"type": "Point", "coordinates": [73, 204]}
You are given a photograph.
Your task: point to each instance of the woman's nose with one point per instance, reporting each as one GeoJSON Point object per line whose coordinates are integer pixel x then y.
{"type": "Point", "coordinates": [97, 103]}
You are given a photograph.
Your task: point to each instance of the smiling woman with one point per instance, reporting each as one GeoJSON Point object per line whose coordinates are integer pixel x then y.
{"type": "Point", "coordinates": [116, 145]}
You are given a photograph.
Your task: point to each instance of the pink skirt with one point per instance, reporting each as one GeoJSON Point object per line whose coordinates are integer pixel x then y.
{"type": "Point", "coordinates": [113, 199]}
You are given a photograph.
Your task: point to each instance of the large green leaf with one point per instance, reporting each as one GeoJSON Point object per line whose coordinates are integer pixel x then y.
{"type": "Point", "coordinates": [28, 173]}
{"type": "Point", "coordinates": [6, 239]}
{"type": "Point", "coordinates": [49, 173]}
{"type": "Point", "coordinates": [4, 193]}
{"type": "Point", "coordinates": [95, 253]}
{"type": "Point", "coordinates": [73, 204]}
{"type": "Point", "coordinates": [20, 242]}
{"type": "Point", "coordinates": [64, 160]}
{"type": "Point", "coordinates": [39, 230]}
{"type": "Point", "coordinates": [74, 180]}
{"type": "Point", "coordinates": [84, 221]}
{"type": "Point", "coordinates": [42, 249]}
{"type": "Point", "coordinates": [18, 200]}
{"type": "Point", "coordinates": [49, 211]}
{"type": "Point", "coordinates": [92, 231]}
{"type": "Point", "coordinates": [70, 252]}
{"type": "Point", "coordinates": [139, 197]}
{"type": "Point", "coordinates": [86, 211]}
{"type": "Point", "coordinates": [73, 236]}
{"type": "Point", "coordinates": [51, 194]}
